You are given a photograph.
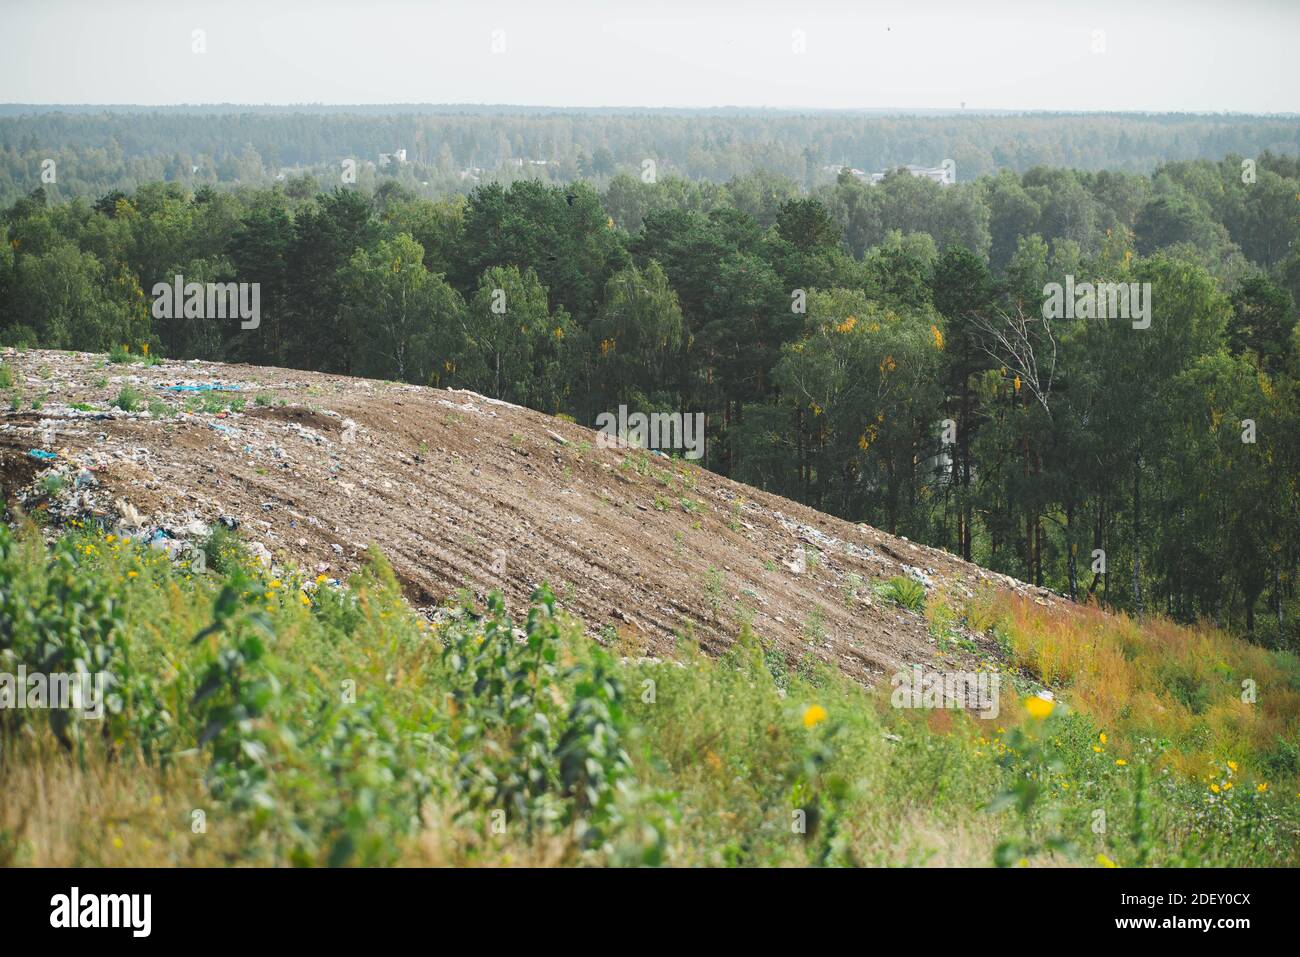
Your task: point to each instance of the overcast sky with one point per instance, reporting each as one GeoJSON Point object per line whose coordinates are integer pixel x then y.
{"type": "Point", "coordinates": [1183, 55]}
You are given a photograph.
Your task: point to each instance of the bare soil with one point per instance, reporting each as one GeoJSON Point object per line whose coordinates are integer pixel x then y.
{"type": "Point", "coordinates": [464, 492]}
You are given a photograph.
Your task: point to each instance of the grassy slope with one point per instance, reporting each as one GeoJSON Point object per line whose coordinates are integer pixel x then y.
{"type": "Point", "coordinates": [321, 724]}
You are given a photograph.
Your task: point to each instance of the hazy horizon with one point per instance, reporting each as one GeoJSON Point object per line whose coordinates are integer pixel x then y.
{"type": "Point", "coordinates": [11, 108]}
{"type": "Point", "coordinates": [1015, 56]}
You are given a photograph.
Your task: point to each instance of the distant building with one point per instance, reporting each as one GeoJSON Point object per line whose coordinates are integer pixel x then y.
{"type": "Point", "coordinates": [938, 174]}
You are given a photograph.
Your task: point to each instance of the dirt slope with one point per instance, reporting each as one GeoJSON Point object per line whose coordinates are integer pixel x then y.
{"type": "Point", "coordinates": [315, 467]}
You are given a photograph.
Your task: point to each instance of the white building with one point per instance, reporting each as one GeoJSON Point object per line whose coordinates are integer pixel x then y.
{"type": "Point", "coordinates": [940, 174]}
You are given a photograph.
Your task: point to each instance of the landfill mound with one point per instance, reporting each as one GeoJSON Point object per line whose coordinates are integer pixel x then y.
{"type": "Point", "coordinates": [462, 492]}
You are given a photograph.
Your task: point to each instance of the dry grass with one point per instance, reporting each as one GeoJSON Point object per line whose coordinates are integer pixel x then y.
{"type": "Point", "coordinates": [1190, 686]}
{"type": "Point", "coordinates": [62, 812]}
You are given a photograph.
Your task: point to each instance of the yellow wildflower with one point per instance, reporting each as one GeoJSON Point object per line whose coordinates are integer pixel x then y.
{"type": "Point", "coordinates": [1039, 707]}
{"type": "Point", "coordinates": [813, 715]}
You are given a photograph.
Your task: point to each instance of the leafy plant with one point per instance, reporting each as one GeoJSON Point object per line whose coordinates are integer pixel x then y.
{"type": "Point", "coordinates": [905, 592]}
{"type": "Point", "coordinates": [128, 399]}
{"type": "Point", "coordinates": [516, 751]}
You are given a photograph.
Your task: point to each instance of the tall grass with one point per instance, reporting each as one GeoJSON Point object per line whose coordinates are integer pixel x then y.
{"type": "Point", "coordinates": [301, 723]}
{"type": "Point", "coordinates": [1206, 696]}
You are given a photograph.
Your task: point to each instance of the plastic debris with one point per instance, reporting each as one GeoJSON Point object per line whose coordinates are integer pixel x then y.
{"type": "Point", "coordinates": [200, 387]}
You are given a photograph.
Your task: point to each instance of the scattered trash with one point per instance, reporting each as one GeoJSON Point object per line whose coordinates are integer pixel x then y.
{"type": "Point", "coordinates": [130, 517]}
{"type": "Point", "coordinates": [200, 387]}
{"type": "Point", "coordinates": [407, 469]}
{"type": "Point", "coordinates": [194, 529]}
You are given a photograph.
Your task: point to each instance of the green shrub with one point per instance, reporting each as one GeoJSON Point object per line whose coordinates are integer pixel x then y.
{"type": "Point", "coordinates": [330, 725]}
{"type": "Point", "coordinates": [128, 399]}
{"type": "Point", "coordinates": [905, 592]}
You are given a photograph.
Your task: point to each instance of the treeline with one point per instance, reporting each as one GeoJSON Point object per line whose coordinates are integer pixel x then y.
{"type": "Point", "coordinates": [879, 352]}
{"type": "Point", "coordinates": [94, 153]}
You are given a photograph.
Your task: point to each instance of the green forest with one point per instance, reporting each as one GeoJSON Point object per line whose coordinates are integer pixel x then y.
{"type": "Point", "coordinates": [452, 149]}
{"type": "Point", "coordinates": [878, 351]}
